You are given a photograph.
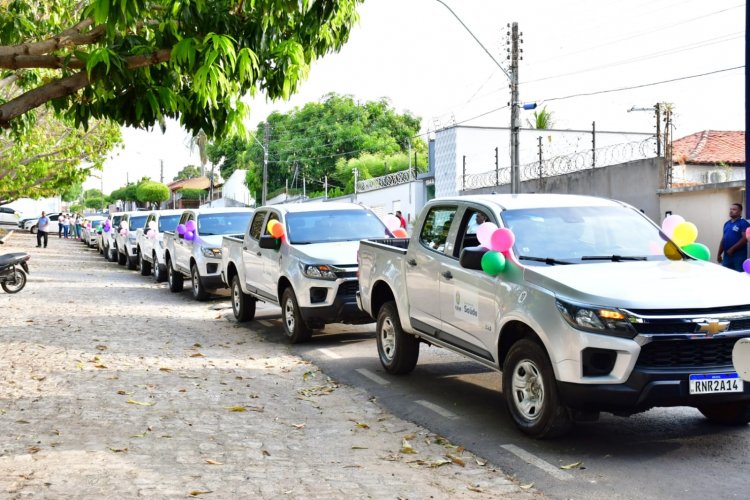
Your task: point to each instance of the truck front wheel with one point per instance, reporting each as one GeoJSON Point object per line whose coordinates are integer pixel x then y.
{"type": "Point", "coordinates": [199, 291]}
{"type": "Point", "coordinates": [530, 391]}
{"type": "Point", "coordinates": [295, 328]}
{"type": "Point", "coordinates": [727, 413]}
{"type": "Point", "coordinates": [398, 351]}
{"type": "Point", "coordinates": [243, 305]}
{"type": "Point", "coordinates": [144, 265]}
{"type": "Point", "coordinates": [174, 279]}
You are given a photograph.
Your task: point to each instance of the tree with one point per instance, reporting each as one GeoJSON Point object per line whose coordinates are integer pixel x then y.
{"type": "Point", "coordinates": [92, 193]}
{"type": "Point", "coordinates": [188, 172]}
{"type": "Point", "coordinates": [96, 202]}
{"type": "Point", "coordinates": [152, 192]}
{"type": "Point", "coordinates": [72, 192]}
{"type": "Point", "coordinates": [542, 119]}
{"type": "Point", "coordinates": [235, 153]}
{"type": "Point", "coordinates": [139, 61]}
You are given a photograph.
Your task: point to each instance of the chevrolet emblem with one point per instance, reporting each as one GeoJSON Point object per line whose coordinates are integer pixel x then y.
{"type": "Point", "coordinates": [712, 327]}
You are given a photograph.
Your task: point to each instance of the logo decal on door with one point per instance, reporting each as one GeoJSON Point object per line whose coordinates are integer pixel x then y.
{"type": "Point", "coordinates": [466, 306]}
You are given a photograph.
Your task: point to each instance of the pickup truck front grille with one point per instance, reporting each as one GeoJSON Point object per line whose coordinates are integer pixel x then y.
{"type": "Point", "coordinates": [696, 353]}
{"type": "Point", "coordinates": [348, 287]}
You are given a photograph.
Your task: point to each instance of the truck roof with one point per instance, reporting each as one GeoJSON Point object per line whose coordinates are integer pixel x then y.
{"type": "Point", "coordinates": [218, 210]}
{"type": "Point", "coordinates": [531, 200]}
{"type": "Point", "coordinates": [315, 206]}
{"type": "Point", "coordinates": [176, 211]}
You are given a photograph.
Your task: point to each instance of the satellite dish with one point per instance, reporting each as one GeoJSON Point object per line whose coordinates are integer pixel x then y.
{"type": "Point", "coordinates": [741, 358]}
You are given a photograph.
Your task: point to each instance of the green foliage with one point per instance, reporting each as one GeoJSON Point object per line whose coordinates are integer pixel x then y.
{"type": "Point", "coordinates": [236, 153]}
{"type": "Point", "coordinates": [141, 61]}
{"type": "Point", "coordinates": [192, 194]}
{"type": "Point", "coordinates": [542, 119]}
{"type": "Point", "coordinates": [94, 202]}
{"type": "Point", "coordinates": [188, 172]}
{"type": "Point", "coordinates": [76, 209]}
{"type": "Point", "coordinates": [92, 193]}
{"type": "Point", "coordinates": [72, 192]}
{"type": "Point", "coordinates": [152, 192]}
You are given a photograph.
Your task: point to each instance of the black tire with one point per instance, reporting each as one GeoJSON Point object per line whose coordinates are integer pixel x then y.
{"type": "Point", "coordinates": [197, 289]}
{"type": "Point", "coordinates": [144, 265]}
{"type": "Point", "coordinates": [160, 273]}
{"type": "Point", "coordinates": [111, 254]}
{"type": "Point", "coordinates": [20, 282]}
{"type": "Point", "coordinates": [243, 305]}
{"type": "Point", "coordinates": [727, 413]}
{"type": "Point", "coordinates": [132, 262]}
{"type": "Point", "coordinates": [122, 259]}
{"type": "Point", "coordinates": [33, 229]}
{"type": "Point", "coordinates": [174, 278]}
{"type": "Point", "coordinates": [398, 351]}
{"type": "Point", "coordinates": [530, 392]}
{"type": "Point", "coordinates": [295, 328]}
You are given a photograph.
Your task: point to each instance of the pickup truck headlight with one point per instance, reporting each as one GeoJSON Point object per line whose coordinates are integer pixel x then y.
{"type": "Point", "coordinates": [318, 271]}
{"type": "Point", "coordinates": [603, 320]}
{"type": "Point", "coordinates": [214, 253]}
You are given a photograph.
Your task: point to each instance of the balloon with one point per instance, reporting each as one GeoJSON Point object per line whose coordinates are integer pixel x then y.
{"type": "Point", "coordinates": [106, 228]}
{"type": "Point", "coordinates": [151, 234]}
{"type": "Point", "coordinates": [400, 233]}
{"type": "Point", "coordinates": [747, 234]}
{"type": "Point", "coordinates": [190, 225]}
{"type": "Point", "coordinates": [181, 229]}
{"type": "Point", "coordinates": [746, 266]}
{"type": "Point", "coordinates": [697, 250]}
{"type": "Point", "coordinates": [152, 224]}
{"type": "Point", "coordinates": [493, 263]}
{"type": "Point", "coordinates": [671, 251]}
{"type": "Point", "coordinates": [189, 235]}
{"type": "Point", "coordinates": [484, 233]}
{"type": "Point", "coordinates": [277, 231]}
{"type": "Point", "coordinates": [124, 224]}
{"type": "Point", "coordinates": [392, 222]}
{"type": "Point", "coordinates": [123, 232]}
{"type": "Point", "coordinates": [270, 226]}
{"type": "Point", "coordinates": [502, 240]}
{"type": "Point", "coordinates": [670, 222]}
{"type": "Point", "coordinates": [684, 234]}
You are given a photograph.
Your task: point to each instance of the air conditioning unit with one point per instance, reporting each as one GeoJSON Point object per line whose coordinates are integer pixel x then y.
{"type": "Point", "coordinates": [717, 176]}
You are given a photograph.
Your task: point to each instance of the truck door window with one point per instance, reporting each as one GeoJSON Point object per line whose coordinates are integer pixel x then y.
{"type": "Point", "coordinates": [271, 216]}
{"type": "Point", "coordinates": [467, 231]}
{"type": "Point", "coordinates": [257, 226]}
{"type": "Point", "coordinates": [434, 234]}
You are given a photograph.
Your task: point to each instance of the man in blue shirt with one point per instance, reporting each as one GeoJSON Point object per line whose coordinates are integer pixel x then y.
{"type": "Point", "coordinates": [733, 246]}
{"type": "Point", "coordinates": [42, 225]}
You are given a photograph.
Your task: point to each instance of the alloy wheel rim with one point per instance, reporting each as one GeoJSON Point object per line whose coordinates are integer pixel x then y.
{"type": "Point", "coordinates": [236, 298]}
{"type": "Point", "coordinates": [196, 283]}
{"type": "Point", "coordinates": [289, 315]}
{"type": "Point", "coordinates": [18, 284]}
{"type": "Point", "coordinates": [388, 338]}
{"type": "Point", "coordinates": [528, 390]}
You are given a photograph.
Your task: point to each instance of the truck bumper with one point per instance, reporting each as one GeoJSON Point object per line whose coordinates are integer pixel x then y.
{"type": "Point", "coordinates": [343, 310]}
{"type": "Point", "coordinates": [213, 282]}
{"type": "Point", "coordinates": [645, 389]}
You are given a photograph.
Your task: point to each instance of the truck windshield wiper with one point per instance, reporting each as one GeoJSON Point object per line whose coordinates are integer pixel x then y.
{"type": "Point", "coordinates": [613, 258]}
{"type": "Point", "coordinates": [547, 260]}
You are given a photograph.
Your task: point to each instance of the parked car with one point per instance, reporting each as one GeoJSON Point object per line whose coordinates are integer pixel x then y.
{"type": "Point", "coordinates": [107, 243]}
{"type": "Point", "coordinates": [198, 255]}
{"type": "Point", "coordinates": [31, 224]}
{"type": "Point", "coordinates": [90, 235]}
{"type": "Point", "coordinates": [588, 315]}
{"type": "Point", "coordinates": [151, 251]}
{"type": "Point", "coordinates": [9, 216]}
{"type": "Point", "coordinates": [311, 274]}
{"type": "Point", "coordinates": [125, 238]}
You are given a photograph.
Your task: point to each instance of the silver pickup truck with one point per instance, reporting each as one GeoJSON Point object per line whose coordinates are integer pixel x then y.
{"type": "Point", "coordinates": [311, 272]}
{"type": "Point", "coordinates": [588, 314]}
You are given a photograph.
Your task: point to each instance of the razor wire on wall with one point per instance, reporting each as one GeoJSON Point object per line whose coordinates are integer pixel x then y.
{"type": "Point", "coordinates": [563, 164]}
{"type": "Point", "coordinates": [388, 180]}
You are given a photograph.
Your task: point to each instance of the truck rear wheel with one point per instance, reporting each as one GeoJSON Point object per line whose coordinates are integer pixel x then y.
{"type": "Point", "coordinates": [243, 305]}
{"type": "Point", "coordinates": [122, 259]}
{"type": "Point", "coordinates": [174, 279]}
{"type": "Point", "coordinates": [727, 413]}
{"type": "Point", "coordinates": [398, 351]}
{"type": "Point", "coordinates": [159, 271]}
{"type": "Point", "coordinates": [530, 391]}
{"type": "Point", "coordinates": [198, 290]}
{"type": "Point", "coordinates": [295, 328]}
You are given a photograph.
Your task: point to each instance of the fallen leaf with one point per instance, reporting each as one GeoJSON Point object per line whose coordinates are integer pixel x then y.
{"type": "Point", "coordinates": [407, 448]}
{"type": "Point", "coordinates": [218, 316]}
{"type": "Point", "coordinates": [101, 347]}
{"type": "Point", "coordinates": [298, 426]}
{"type": "Point", "coordinates": [213, 462]}
{"type": "Point", "coordinates": [456, 460]}
{"type": "Point", "coordinates": [119, 450]}
{"type": "Point", "coordinates": [123, 393]}
{"type": "Point", "coordinates": [195, 493]}
{"type": "Point", "coordinates": [307, 375]}
{"type": "Point", "coordinates": [439, 462]}
{"type": "Point", "coordinates": [33, 449]}
{"type": "Point", "coordinates": [359, 447]}
{"type": "Point", "coordinates": [527, 486]}
{"type": "Point", "coordinates": [196, 355]}
{"type": "Point", "coordinates": [38, 378]}
{"type": "Point", "coordinates": [197, 345]}
{"type": "Point", "coordinates": [265, 453]}
{"type": "Point", "coordinates": [164, 369]}
{"type": "Point", "coordinates": [410, 437]}
{"type": "Point", "coordinates": [79, 365]}
{"type": "Point", "coordinates": [480, 462]}
{"type": "Point", "coordinates": [139, 435]}
{"type": "Point", "coordinates": [139, 403]}
{"type": "Point", "coordinates": [476, 489]}
{"type": "Point", "coordinates": [236, 408]}
{"type": "Point", "coordinates": [361, 425]}
{"type": "Point", "coordinates": [99, 365]}
{"type": "Point", "coordinates": [575, 465]}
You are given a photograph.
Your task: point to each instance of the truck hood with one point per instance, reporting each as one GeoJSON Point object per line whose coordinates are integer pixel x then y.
{"type": "Point", "coordinates": [213, 241]}
{"type": "Point", "coordinates": [336, 253]}
{"type": "Point", "coordinates": [645, 285]}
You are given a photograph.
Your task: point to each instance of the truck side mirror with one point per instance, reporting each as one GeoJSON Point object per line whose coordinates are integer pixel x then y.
{"type": "Point", "coordinates": [471, 258]}
{"type": "Point", "coordinates": [269, 242]}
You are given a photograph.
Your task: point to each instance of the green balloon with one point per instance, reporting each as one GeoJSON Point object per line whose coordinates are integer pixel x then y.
{"type": "Point", "coordinates": [697, 250]}
{"type": "Point", "coordinates": [493, 263]}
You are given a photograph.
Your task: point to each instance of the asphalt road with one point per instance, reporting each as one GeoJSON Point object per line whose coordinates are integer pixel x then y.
{"type": "Point", "coordinates": [663, 453]}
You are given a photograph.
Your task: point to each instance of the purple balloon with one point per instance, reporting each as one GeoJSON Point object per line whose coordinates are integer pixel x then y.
{"type": "Point", "coordinates": [189, 235]}
{"type": "Point", "coordinates": [746, 266]}
{"type": "Point", "coordinates": [190, 225]}
{"type": "Point", "coordinates": [181, 229]}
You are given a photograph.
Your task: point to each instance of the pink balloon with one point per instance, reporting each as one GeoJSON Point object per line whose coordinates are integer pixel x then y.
{"type": "Point", "coordinates": [746, 266]}
{"type": "Point", "coordinates": [392, 222]}
{"type": "Point", "coordinates": [484, 233]}
{"type": "Point", "coordinates": [670, 223]}
{"type": "Point", "coordinates": [502, 240]}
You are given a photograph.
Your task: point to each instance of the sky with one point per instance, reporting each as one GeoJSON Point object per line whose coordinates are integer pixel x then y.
{"type": "Point", "coordinates": [420, 57]}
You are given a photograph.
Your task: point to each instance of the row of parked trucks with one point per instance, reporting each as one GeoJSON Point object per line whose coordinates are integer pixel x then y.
{"type": "Point", "coordinates": [588, 313]}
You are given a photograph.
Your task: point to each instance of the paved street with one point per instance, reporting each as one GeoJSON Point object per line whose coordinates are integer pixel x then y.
{"type": "Point", "coordinates": [112, 387]}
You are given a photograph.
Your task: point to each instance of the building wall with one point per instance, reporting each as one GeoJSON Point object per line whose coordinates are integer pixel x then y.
{"type": "Point", "coordinates": [234, 188]}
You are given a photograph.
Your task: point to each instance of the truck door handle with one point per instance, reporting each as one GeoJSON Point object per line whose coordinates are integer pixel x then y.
{"type": "Point", "coordinates": [411, 262]}
{"type": "Point", "coordinates": [447, 275]}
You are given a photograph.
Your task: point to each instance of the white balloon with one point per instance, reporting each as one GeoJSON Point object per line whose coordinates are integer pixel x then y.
{"type": "Point", "coordinates": [392, 222]}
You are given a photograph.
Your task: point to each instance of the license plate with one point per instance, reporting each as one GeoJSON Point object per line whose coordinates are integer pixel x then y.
{"type": "Point", "coordinates": [715, 383]}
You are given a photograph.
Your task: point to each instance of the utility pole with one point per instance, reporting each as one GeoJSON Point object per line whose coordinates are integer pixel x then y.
{"type": "Point", "coordinates": [266, 139]}
{"type": "Point", "coordinates": [355, 172]}
{"type": "Point", "coordinates": [593, 144]}
{"type": "Point", "coordinates": [325, 186]}
{"type": "Point", "coordinates": [161, 172]}
{"type": "Point", "coordinates": [463, 177]}
{"type": "Point", "coordinates": [497, 168]}
{"type": "Point", "coordinates": [541, 166]}
{"type": "Point", "coordinates": [514, 121]}
{"type": "Point", "coordinates": [668, 146]}
{"type": "Point", "coordinates": [657, 109]}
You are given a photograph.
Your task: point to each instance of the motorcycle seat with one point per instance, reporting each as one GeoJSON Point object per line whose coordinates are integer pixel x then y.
{"type": "Point", "coordinates": [10, 258]}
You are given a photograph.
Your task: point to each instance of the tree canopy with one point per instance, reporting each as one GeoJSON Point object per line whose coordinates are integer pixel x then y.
{"type": "Point", "coordinates": [139, 61]}
{"type": "Point", "coordinates": [152, 192]}
{"type": "Point", "coordinates": [188, 172]}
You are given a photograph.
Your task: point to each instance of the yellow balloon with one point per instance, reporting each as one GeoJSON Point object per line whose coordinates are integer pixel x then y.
{"type": "Point", "coordinates": [269, 226]}
{"type": "Point", "coordinates": [685, 233]}
{"type": "Point", "coordinates": [671, 251]}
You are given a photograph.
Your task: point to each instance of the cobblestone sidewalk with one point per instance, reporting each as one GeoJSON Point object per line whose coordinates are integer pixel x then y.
{"type": "Point", "coordinates": [112, 387]}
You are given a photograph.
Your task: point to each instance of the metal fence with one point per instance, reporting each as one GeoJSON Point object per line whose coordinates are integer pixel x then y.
{"type": "Point", "coordinates": [388, 180]}
{"type": "Point", "coordinates": [564, 164]}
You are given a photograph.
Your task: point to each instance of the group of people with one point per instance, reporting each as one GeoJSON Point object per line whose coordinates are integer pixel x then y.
{"type": "Point", "coordinates": [69, 225]}
{"type": "Point", "coordinates": [733, 247]}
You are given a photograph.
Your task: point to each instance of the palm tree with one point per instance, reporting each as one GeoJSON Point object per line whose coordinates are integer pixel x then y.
{"type": "Point", "coordinates": [542, 119]}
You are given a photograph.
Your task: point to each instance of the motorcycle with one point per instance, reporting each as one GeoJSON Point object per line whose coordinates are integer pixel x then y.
{"type": "Point", "coordinates": [13, 270]}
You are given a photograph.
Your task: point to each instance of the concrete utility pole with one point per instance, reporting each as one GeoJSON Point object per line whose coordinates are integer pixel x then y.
{"type": "Point", "coordinates": [515, 125]}
{"type": "Point", "coordinates": [356, 174]}
{"type": "Point", "coordinates": [266, 139]}
{"type": "Point", "coordinates": [657, 110]}
{"type": "Point", "coordinates": [161, 172]}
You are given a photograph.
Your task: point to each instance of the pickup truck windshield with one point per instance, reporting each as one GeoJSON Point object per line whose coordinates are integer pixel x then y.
{"type": "Point", "coordinates": [584, 234]}
{"type": "Point", "coordinates": [168, 222]}
{"type": "Point", "coordinates": [137, 222]}
{"type": "Point", "coordinates": [220, 224]}
{"type": "Point", "coordinates": [333, 225]}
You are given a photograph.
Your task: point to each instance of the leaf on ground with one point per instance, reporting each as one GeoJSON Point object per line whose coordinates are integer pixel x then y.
{"type": "Point", "coordinates": [123, 393]}
{"type": "Point", "coordinates": [359, 447]}
{"type": "Point", "coordinates": [307, 375]}
{"type": "Point", "coordinates": [527, 486]}
{"type": "Point", "coordinates": [139, 435]}
{"type": "Point", "coordinates": [196, 355]}
{"type": "Point", "coordinates": [213, 462]}
{"type": "Point", "coordinates": [139, 403]}
{"type": "Point", "coordinates": [391, 457]}
{"type": "Point", "coordinates": [195, 493]}
{"type": "Point", "coordinates": [165, 369]}
{"type": "Point", "coordinates": [119, 450]}
{"type": "Point", "coordinates": [79, 365]}
{"type": "Point", "coordinates": [197, 345]}
{"type": "Point", "coordinates": [410, 437]}
{"type": "Point", "coordinates": [99, 365]}
{"type": "Point", "coordinates": [33, 449]}
{"type": "Point", "coordinates": [480, 462]}
{"type": "Point", "coordinates": [574, 465]}
{"type": "Point", "coordinates": [475, 489]}
{"type": "Point", "coordinates": [38, 378]}
{"type": "Point", "coordinates": [456, 460]}
{"type": "Point", "coordinates": [439, 462]}
{"type": "Point", "coordinates": [298, 426]}
{"type": "Point", "coordinates": [237, 409]}
{"type": "Point", "coordinates": [102, 347]}
{"type": "Point", "coordinates": [361, 425]}
{"type": "Point", "coordinates": [265, 453]}
{"type": "Point", "coordinates": [407, 448]}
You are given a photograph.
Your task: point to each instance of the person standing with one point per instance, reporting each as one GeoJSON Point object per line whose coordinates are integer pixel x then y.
{"type": "Point", "coordinates": [59, 224]}
{"type": "Point", "coordinates": [42, 224]}
{"type": "Point", "coordinates": [401, 219]}
{"type": "Point", "coordinates": [65, 225]}
{"type": "Point", "coordinates": [733, 246]}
